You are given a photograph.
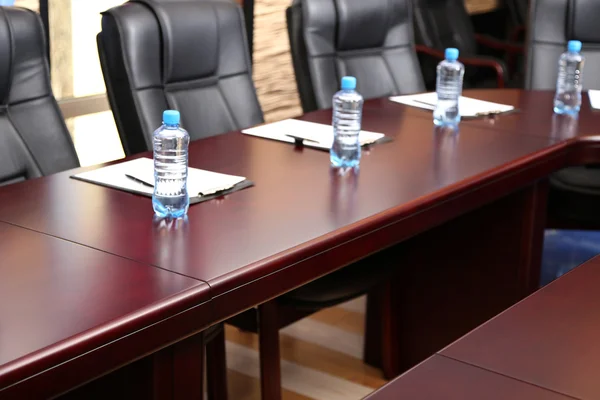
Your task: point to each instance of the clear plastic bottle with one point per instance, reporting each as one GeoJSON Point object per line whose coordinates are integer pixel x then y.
{"type": "Point", "coordinates": [347, 117]}
{"type": "Point", "coordinates": [570, 80]}
{"type": "Point", "coordinates": [450, 73]}
{"type": "Point", "coordinates": [170, 199]}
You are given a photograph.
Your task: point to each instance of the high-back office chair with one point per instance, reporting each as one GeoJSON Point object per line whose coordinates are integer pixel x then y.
{"type": "Point", "coordinates": [139, 25]}
{"type": "Point", "coordinates": [372, 40]}
{"type": "Point", "coordinates": [34, 140]}
{"type": "Point", "coordinates": [574, 192]}
{"type": "Point", "coordinates": [440, 24]}
{"type": "Point", "coordinates": [189, 55]}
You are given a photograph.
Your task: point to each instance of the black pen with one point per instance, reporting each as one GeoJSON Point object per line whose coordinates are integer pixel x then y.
{"type": "Point", "coordinates": [424, 103]}
{"type": "Point", "coordinates": [301, 139]}
{"type": "Point", "coordinates": [133, 178]}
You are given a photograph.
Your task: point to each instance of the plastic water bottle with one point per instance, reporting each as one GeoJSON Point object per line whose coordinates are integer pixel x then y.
{"type": "Point", "coordinates": [171, 142]}
{"type": "Point", "coordinates": [450, 73]}
{"type": "Point", "coordinates": [570, 80]}
{"type": "Point", "coordinates": [347, 116]}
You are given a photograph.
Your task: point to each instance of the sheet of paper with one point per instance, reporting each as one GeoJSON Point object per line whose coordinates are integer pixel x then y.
{"type": "Point", "coordinates": [594, 96]}
{"type": "Point", "coordinates": [142, 169]}
{"type": "Point", "coordinates": [468, 107]}
{"type": "Point", "coordinates": [320, 136]}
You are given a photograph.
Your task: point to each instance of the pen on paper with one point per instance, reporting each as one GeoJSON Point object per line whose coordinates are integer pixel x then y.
{"type": "Point", "coordinates": [302, 138]}
{"type": "Point", "coordinates": [133, 178]}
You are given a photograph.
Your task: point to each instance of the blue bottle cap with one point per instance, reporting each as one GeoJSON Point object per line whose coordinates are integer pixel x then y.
{"type": "Point", "coordinates": [574, 46]}
{"type": "Point", "coordinates": [348, 83]}
{"type": "Point", "coordinates": [171, 117]}
{"type": "Point", "coordinates": [451, 54]}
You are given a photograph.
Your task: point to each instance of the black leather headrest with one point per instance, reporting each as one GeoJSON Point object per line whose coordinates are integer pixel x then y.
{"type": "Point", "coordinates": [23, 73]}
{"type": "Point", "coordinates": [188, 31]}
{"type": "Point", "coordinates": [582, 23]}
{"type": "Point", "coordinates": [362, 23]}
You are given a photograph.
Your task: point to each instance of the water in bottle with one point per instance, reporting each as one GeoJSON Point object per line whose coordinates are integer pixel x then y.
{"type": "Point", "coordinates": [347, 116]}
{"type": "Point", "coordinates": [569, 83]}
{"type": "Point", "coordinates": [450, 73]}
{"type": "Point", "coordinates": [171, 142]}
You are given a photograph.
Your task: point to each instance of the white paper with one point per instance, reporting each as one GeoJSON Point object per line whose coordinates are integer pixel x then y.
{"type": "Point", "coordinates": [468, 107]}
{"type": "Point", "coordinates": [319, 136]}
{"type": "Point", "coordinates": [594, 99]}
{"type": "Point", "coordinates": [115, 176]}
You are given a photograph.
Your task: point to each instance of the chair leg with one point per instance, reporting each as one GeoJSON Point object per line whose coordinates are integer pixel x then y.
{"type": "Point", "coordinates": [268, 336]}
{"type": "Point", "coordinates": [373, 328]}
{"type": "Point", "coordinates": [216, 367]}
{"type": "Point", "coordinates": [390, 330]}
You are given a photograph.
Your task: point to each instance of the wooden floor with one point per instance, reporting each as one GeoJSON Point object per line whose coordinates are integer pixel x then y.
{"type": "Point", "coordinates": [321, 358]}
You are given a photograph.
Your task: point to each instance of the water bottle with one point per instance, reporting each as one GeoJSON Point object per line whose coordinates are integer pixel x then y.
{"type": "Point", "coordinates": [170, 198]}
{"type": "Point", "coordinates": [450, 73]}
{"type": "Point", "coordinates": [347, 116]}
{"type": "Point", "coordinates": [570, 77]}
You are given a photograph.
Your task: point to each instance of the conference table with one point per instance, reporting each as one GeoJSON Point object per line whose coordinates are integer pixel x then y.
{"type": "Point", "coordinates": [92, 284]}
{"type": "Point", "coordinates": [545, 347]}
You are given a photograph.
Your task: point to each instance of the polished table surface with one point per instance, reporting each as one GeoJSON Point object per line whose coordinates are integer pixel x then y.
{"type": "Point", "coordinates": [544, 347]}
{"type": "Point", "coordinates": [300, 221]}
{"type": "Point", "coordinates": [548, 340]}
{"type": "Point", "coordinates": [535, 116]}
{"type": "Point", "coordinates": [297, 208]}
{"type": "Point", "coordinates": [60, 300]}
{"type": "Point", "coordinates": [441, 378]}
{"type": "Point", "coordinates": [298, 212]}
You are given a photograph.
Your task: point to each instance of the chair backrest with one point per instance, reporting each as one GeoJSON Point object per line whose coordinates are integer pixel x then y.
{"type": "Point", "coordinates": [34, 140]}
{"type": "Point", "coordinates": [440, 24]}
{"type": "Point", "coordinates": [518, 10]}
{"type": "Point", "coordinates": [371, 40]}
{"type": "Point", "coordinates": [552, 23]}
{"type": "Point", "coordinates": [189, 55]}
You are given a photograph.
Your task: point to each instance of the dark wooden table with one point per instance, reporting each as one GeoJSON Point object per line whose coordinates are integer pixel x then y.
{"type": "Point", "coordinates": [69, 313]}
{"type": "Point", "coordinates": [549, 340]}
{"type": "Point", "coordinates": [441, 202]}
{"type": "Point", "coordinates": [441, 378]}
{"type": "Point", "coordinates": [545, 347]}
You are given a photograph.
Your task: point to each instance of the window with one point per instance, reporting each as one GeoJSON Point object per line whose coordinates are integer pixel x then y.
{"type": "Point", "coordinates": [77, 82]}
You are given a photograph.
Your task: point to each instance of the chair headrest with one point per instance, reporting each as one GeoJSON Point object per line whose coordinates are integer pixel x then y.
{"type": "Point", "coordinates": [582, 21]}
{"type": "Point", "coordinates": [362, 24]}
{"type": "Point", "coordinates": [23, 66]}
{"type": "Point", "coordinates": [189, 32]}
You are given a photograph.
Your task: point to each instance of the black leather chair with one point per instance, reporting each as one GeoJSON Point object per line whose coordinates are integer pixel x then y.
{"type": "Point", "coordinates": [371, 40]}
{"type": "Point", "coordinates": [440, 24]}
{"type": "Point", "coordinates": [213, 88]}
{"type": "Point", "coordinates": [187, 55]}
{"type": "Point", "coordinates": [34, 140]}
{"type": "Point", "coordinates": [518, 11]}
{"type": "Point", "coordinates": [574, 192]}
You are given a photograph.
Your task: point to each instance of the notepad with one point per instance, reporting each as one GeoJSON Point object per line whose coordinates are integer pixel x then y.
{"type": "Point", "coordinates": [137, 176]}
{"type": "Point", "coordinates": [594, 96]}
{"type": "Point", "coordinates": [318, 136]}
{"type": "Point", "coordinates": [469, 108]}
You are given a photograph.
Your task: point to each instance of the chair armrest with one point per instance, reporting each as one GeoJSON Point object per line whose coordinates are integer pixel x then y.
{"type": "Point", "coordinates": [496, 44]}
{"type": "Point", "coordinates": [474, 61]}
